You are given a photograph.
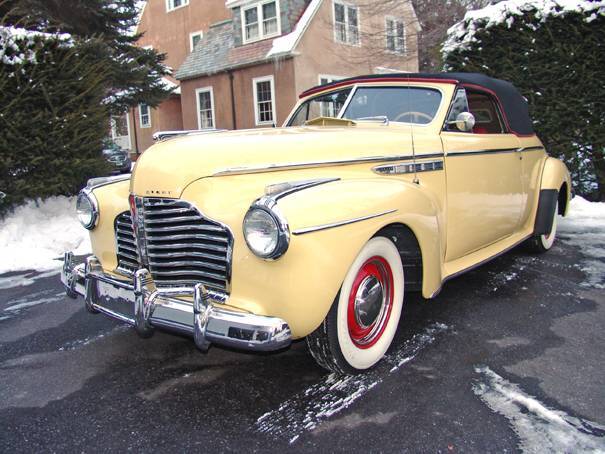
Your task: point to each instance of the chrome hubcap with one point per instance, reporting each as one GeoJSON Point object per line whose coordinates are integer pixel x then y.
{"type": "Point", "coordinates": [369, 301]}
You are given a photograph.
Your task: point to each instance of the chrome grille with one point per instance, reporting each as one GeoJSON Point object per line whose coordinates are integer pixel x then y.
{"type": "Point", "coordinates": [128, 260]}
{"type": "Point", "coordinates": [182, 246]}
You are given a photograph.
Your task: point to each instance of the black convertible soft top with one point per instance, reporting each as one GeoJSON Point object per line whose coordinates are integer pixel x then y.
{"type": "Point", "coordinates": [513, 103]}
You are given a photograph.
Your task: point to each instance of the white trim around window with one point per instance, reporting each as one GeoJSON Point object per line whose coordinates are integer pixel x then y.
{"type": "Point", "coordinates": [192, 37]}
{"type": "Point", "coordinates": [399, 39]}
{"type": "Point", "coordinates": [328, 78]}
{"type": "Point", "coordinates": [144, 118]}
{"type": "Point", "coordinates": [208, 122]}
{"type": "Point", "coordinates": [171, 5]}
{"type": "Point", "coordinates": [258, 112]}
{"type": "Point", "coordinates": [344, 33]}
{"type": "Point", "coordinates": [261, 22]}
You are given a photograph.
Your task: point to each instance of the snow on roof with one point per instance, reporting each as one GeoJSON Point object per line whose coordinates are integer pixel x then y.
{"type": "Point", "coordinates": [287, 43]}
{"type": "Point", "coordinates": [462, 34]}
{"type": "Point", "coordinates": [169, 84]}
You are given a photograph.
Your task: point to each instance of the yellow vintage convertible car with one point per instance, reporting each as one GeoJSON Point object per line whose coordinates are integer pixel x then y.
{"type": "Point", "coordinates": [374, 187]}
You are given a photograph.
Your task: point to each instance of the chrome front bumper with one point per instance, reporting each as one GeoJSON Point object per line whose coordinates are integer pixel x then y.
{"type": "Point", "coordinates": [139, 303]}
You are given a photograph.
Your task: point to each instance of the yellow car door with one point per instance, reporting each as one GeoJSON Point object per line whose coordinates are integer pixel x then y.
{"type": "Point", "coordinates": [483, 175]}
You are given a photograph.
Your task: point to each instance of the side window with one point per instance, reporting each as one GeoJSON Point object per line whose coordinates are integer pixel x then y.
{"type": "Point", "coordinates": [487, 116]}
{"type": "Point", "coordinates": [459, 105]}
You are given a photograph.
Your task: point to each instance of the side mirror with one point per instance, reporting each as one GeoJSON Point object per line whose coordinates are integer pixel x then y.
{"type": "Point", "coordinates": [465, 121]}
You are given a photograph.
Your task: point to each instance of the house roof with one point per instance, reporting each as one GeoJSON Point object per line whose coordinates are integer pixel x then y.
{"type": "Point", "coordinates": [513, 103]}
{"type": "Point", "coordinates": [216, 51]}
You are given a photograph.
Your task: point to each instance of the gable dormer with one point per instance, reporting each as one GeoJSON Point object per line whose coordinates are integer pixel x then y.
{"type": "Point", "coordinates": [257, 20]}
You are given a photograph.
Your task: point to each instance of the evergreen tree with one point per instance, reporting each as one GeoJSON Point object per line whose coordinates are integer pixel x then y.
{"type": "Point", "coordinates": [555, 56]}
{"type": "Point", "coordinates": [65, 67]}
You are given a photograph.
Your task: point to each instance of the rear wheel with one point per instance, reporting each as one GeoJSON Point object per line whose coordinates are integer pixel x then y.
{"type": "Point", "coordinates": [542, 243]}
{"type": "Point", "coordinates": [364, 317]}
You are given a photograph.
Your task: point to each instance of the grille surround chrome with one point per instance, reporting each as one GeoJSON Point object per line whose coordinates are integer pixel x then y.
{"type": "Point", "coordinates": [183, 247]}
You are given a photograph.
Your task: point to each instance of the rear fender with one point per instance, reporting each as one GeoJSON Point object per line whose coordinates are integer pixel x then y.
{"type": "Point", "coordinates": [555, 176]}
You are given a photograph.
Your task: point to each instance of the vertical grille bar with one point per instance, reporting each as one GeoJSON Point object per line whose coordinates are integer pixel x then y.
{"type": "Point", "coordinates": [183, 246]}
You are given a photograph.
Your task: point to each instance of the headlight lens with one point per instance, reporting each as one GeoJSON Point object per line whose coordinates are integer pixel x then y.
{"type": "Point", "coordinates": [86, 208]}
{"type": "Point", "coordinates": [261, 232]}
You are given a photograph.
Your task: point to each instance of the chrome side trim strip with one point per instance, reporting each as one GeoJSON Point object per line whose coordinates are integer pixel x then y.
{"type": "Point", "coordinates": [478, 152]}
{"type": "Point", "coordinates": [280, 190]}
{"type": "Point", "coordinates": [399, 169]}
{"type": "Point", "coordinates": [339, 223]}
{"type": "Point", "coordinates": [306, 165]}
{"type": "Point", "coordinates": [532, 149]}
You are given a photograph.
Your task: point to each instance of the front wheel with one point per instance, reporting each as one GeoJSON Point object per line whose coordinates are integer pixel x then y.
{"type": "Point", "coordinates": [543, 243]}
{"type": "Point", "coordinates": [363, 319]}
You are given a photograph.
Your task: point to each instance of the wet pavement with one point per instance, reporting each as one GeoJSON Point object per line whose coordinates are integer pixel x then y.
{"type": "Point", "coordinates": [508, 357]}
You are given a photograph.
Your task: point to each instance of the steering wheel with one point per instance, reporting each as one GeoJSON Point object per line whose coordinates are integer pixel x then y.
{"type": "Point", "coordinates": [414, 114]}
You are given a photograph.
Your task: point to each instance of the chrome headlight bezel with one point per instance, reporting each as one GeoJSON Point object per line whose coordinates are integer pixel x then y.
{"type": "Point", "coordinates": [87, 195]}
{"type": "Point", "coordinates": [269, 207]}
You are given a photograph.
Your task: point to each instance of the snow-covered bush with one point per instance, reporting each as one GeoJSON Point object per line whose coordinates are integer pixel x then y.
{"type": "Point", "coordinates": [554, 52]}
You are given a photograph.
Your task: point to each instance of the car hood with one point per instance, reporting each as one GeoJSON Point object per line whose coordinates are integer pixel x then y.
{"type": "Point", "coordinates": [167, 168]}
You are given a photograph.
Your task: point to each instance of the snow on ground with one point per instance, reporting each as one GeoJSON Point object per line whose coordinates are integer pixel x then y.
{"type": "Point", "coordinates": [462, 35]}
{"type": "Point", "coordinates": [540, 428]}
{"type": "Point", "coordinates": [309, 408]}
{"type": "Point", "coordinates": [36, 234]}
{"type": "Point", "coordinates": [584, 228]}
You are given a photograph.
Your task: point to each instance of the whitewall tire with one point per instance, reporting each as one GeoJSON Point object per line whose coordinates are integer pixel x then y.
{"type": "Point", "coordinates": [364, 317]}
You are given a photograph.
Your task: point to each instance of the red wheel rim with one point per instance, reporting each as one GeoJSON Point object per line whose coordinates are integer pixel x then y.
{"type": "Point", "coordinates": [370, 302]}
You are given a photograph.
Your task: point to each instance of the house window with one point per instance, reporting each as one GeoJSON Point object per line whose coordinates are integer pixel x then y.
{"type": "Point", "coordinates": [195, 38]}
{"type": "Point", "coordinates": [395, 31]}
{"type": "Point", "coordinates": [328, 108]}
{"type": "Point", "coordinates": [346, 24]}
{"type": "Point", "coordinates": [144, 116]}
{"type": "Point", "coordinates": [174, 4]}
{"type": "Point", "coordinates": [264, 100]}
{"type": "Point", "coordinates": [261, 21]}
{"type": "Point", "coordinates": [205, 108]}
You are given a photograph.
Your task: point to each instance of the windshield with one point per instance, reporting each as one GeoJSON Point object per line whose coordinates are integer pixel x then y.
{"type": "Point", "coordinates": [399, 104]}
{"type": "Point", "coordinates": [328, 105]}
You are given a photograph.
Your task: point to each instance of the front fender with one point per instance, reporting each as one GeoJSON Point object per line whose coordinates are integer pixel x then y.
{"type": "Point", "coordinates": [554, 176]}
{"type": "Point", "coordinates": [113, 200]}
{"type": "Point", "coordinates": [301, 286]}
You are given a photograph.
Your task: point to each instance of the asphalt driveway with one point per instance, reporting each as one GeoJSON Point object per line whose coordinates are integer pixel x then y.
{"type": "Point", "coordinates": [509, 357]}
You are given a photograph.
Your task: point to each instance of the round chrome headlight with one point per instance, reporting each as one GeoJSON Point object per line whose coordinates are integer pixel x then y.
{"type": "Point", "coordinates": [87, 209]}
{"type": "Point", "coordinates": [266, 233]}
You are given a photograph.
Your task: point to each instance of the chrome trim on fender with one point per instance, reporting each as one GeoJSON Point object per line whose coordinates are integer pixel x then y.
{"type": "Point", "coordinates": [280, 190]}
{"type": "Point", "coordinates": [95, 183]}
{"type": "Point", "coordinates": [536, 148]}
{"type": "Point", "coordinates": [313, 164]}
{"type": "Point", "coordinates": [453, 154]}
{"type": "Point", "coordinates": [332, 225]}
{"type": "Point", "coordinates": [400, 169]}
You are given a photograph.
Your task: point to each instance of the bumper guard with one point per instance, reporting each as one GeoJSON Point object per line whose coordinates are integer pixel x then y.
{"type": "Point", "coordinates": [138, 302]}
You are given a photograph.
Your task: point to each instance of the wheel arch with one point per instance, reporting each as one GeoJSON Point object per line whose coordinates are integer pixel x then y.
{"type": "Point", "coordinates": [410, 251]}
{"type": "Point", "coordinates": [555, 176]}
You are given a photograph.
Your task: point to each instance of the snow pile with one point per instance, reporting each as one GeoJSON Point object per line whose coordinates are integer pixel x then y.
{"type": "Point", "coordinates": [540, 428]}
{"type": "Point", "coordinates": [18, 45]}
{"type": "Point", "coordinates": [584, 227]}
{"type": "Point", "coordinates": [462, 35]}
{"type": "Point", "coordinates": [37, 233]}
{"type": "Point", "coordinates": [287, 43]}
